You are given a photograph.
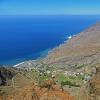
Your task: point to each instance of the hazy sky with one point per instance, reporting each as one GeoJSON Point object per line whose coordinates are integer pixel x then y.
{"type": "Point", "coordinates": [49, 7]}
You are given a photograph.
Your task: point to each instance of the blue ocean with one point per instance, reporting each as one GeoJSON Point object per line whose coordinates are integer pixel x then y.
{"type": "Point", "coordinates": [30, 37]}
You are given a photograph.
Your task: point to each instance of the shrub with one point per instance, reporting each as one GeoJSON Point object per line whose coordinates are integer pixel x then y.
{"type": "Point", "coordinates": [80, 66]}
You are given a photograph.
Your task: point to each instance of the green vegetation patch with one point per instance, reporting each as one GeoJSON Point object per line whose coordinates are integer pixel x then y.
{"type": "Point", "coordinates": [70, 80]}
{"type": "Point", "coordinates": [80, 66]}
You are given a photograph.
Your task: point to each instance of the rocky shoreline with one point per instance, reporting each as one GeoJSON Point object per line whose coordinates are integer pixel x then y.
{"type": "Point", "coordinates": [73, 51]}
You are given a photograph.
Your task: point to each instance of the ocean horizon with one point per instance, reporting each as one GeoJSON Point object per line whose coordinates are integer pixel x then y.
{"type": "Point", "coordinates": [25, 38]}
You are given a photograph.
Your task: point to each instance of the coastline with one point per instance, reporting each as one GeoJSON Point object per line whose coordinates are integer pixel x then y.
{"type": "Point", "coordinates": [69, 38]}
{"type": "Point", "coordinates": [60, 33]}
{"type": "Point", "coordinates": [84, 48]}
{"type": "Point", "coordinates": [44, 57]}
{"type": "Point", "coordinates": [48, 51]}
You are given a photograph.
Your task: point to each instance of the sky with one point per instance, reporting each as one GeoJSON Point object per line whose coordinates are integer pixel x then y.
{"type": "Point", "coordinates": [49, 7]}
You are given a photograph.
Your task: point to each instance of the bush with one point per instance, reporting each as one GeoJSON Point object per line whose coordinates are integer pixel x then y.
{"type": "Point", "coordinates": [80, 66]}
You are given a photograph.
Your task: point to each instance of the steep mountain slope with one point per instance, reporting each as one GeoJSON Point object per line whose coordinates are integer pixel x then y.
{"type": "Point", "coordinates": [83, 48]}
{"type": "Point", "coordinates": [6, 74]}
{"type": "Point", "coordinates": [33, 92]}
{"type": "Point", "coordinates": [12, 80]}
{"type": "Point", "coordinates": [94, 86]}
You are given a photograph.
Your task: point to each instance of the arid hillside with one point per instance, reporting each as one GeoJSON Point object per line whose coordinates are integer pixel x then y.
{"type": "Point", "coordinates": [33, 92]}
{"type": "Point", "coordinates": [94, 86]}
{"type": "Point", "coordinates": [83, 48]}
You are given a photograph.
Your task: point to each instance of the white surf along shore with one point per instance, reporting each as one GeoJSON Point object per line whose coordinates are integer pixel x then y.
{"type": "Point", "coordinates": [49, 51]}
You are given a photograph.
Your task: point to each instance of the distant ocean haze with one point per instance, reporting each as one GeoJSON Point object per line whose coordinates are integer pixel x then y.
{"type": "Point", "coordinates": [28, 37]}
